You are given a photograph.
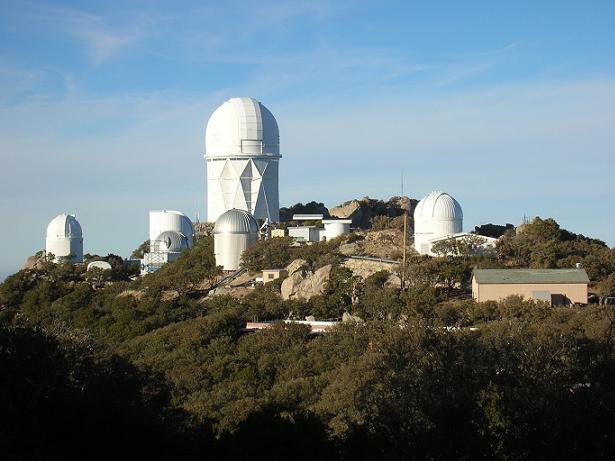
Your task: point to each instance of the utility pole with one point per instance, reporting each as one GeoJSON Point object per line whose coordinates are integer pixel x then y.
{"type": "Point", "coordinates": [403, 264]}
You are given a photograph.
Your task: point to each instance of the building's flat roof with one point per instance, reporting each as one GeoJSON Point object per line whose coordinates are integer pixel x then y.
{"type": "Point", "coordinates": [307, 217]}
{"type": "Point", "coordinates": [509, 276]}
{"type": "Point", "coordinates": [333, 221]}
{"type": "Point", "coordinates": [273, 270]}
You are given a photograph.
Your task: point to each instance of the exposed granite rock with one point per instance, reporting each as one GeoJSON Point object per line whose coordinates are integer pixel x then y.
{"type": "Point", "coordinates": [297, 265]}
{"type": "Point", "coordinates": [35, 261]}
{"type": "Point", "coordinates": [305, 284]}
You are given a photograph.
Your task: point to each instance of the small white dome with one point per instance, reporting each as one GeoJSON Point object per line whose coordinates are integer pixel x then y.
{"type": "Point", "coordinates": [438, 205]}
{"type": "Point", "coordinates": [236, 222]}
{"type": "Point", "coordinates": [171, 241]}
{"type": "Point", "coordinates": [64, 226]}
{"type": "Point", "coordinates": [161, 221]}
{"type": "Point", "coordinates": [242, 127]}
{"type": "Point", "coordinates": [103, 265]}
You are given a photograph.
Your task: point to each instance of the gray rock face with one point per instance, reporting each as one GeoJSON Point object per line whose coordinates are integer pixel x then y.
{"type": "Point", "coordinates": [296, 265]}
{"type": "Point", "coordinates": [304, 284]}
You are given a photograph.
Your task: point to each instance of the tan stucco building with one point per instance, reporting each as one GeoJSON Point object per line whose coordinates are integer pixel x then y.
{"type": "Point", "coordinates": [279, 232]}
{"type": "Point", "coordinates": [269, 275]}
{"type": "Point", "coordinates": [557, 286]}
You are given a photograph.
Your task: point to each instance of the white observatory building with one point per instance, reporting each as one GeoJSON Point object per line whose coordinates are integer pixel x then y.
{"type": "Point", "coordinates": [336, 227]}
{"type": "Point", "coordinates": [169, 220]}
{"type": "Point", "coordinates": [170, 233]}
{"type": "Point", "coordinates": [65, 239]}
{"type": "Point", "coordinates": [242, 150]}
{"type": "Point", "coordinates": [234, 231]}
{"type": "Point", "coordinates": [437, 215]}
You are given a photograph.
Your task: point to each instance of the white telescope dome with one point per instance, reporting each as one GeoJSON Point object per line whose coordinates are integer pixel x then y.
{"type": "Point", "coordinates": [436, 215]}
{"type": "Point", "coordinates": [102, 265]}
{"type": "Point", "coordinates": [65, 238]}
{"type": "Point", "coordinates": [171, 241]}
{"type": "Point", "coordinates": [65, 226]}
{"type": "Point", "coordinates": [242, 127]}
{"type": "Point", "coordinates": [438, 205]}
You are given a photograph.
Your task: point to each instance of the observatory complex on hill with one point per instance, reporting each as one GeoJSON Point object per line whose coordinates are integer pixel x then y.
{"type": "Point", "coordinates": [242, 150]}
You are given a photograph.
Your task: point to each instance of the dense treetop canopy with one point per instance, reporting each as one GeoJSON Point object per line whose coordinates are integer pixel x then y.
{"type": "Point", "coordinates": [423, 372]}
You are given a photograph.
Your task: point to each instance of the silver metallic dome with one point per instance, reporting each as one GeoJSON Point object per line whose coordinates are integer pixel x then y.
{"type": "Point", "coordinates": [171, 241]}
{"type": "Point", "coordinates": [236, 222]}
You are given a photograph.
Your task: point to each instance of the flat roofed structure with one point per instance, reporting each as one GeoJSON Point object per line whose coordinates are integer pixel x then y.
{"type": "Point", "coordinates": [315, 326]}
{"type": "Point", "coordinates": [305, 233]}
{"type": "Point", "coordinates": [308, 217]}
{"type": "Point", "coordinates": [269, 275]}
{"type": "Point", "coordinates": [279, 232]}
{"type": "Point", "coordinates": [560, 286]}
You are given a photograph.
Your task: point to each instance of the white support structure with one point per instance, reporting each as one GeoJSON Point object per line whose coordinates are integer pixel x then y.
{"type": "Point", "coordinates": [242, 150]}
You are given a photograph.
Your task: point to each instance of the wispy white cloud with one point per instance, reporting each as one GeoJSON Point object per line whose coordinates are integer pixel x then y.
{"type": "Point", "coordinates": [101, 38]}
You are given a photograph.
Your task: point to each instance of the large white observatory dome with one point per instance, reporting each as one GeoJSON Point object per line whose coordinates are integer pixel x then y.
{"type": "Point", "coordinates": [436, 215]}
{"type": "Point", "coordinates": [234, 231]}
{"type": "Point", "coordinates": [65, 238]}
{"type": "Point", "coordinates": [244, 127]}
{"type": "Point", "coordinates": [242, 150]}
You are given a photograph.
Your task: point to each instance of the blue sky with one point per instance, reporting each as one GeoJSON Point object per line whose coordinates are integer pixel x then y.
{"type": "Point", "coordinates": [508, 106]}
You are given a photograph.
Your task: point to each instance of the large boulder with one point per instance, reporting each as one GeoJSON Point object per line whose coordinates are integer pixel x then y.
{"type": "Point", "coordinates": [345, 210]}
{"type": "Point", "coordinates": [305, 284]}
{"type": "Point", "coordinates": [363, 211]}
{"type": "Point", "coordinates": [36, 261]}
{"type": "Point", "coordinates": [296, 266]}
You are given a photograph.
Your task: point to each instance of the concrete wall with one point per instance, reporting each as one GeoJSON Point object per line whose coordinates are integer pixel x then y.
{"type": "Point", "coordinates": [560, 292]}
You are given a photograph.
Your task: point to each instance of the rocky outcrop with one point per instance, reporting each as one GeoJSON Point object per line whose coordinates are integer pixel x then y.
{"type": "Point", "coordinates": [363, 211]}
{"type": "Point", "coordinates": [346, 210]}
{"type": "Point", "coordinates": [35, 261]}
{"type": "Point", "coordinates": [364, 269]}
{"type": "Point", "coordinates": [302, 283]}
{"type": "Point", "coordinates": [296, 266]}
